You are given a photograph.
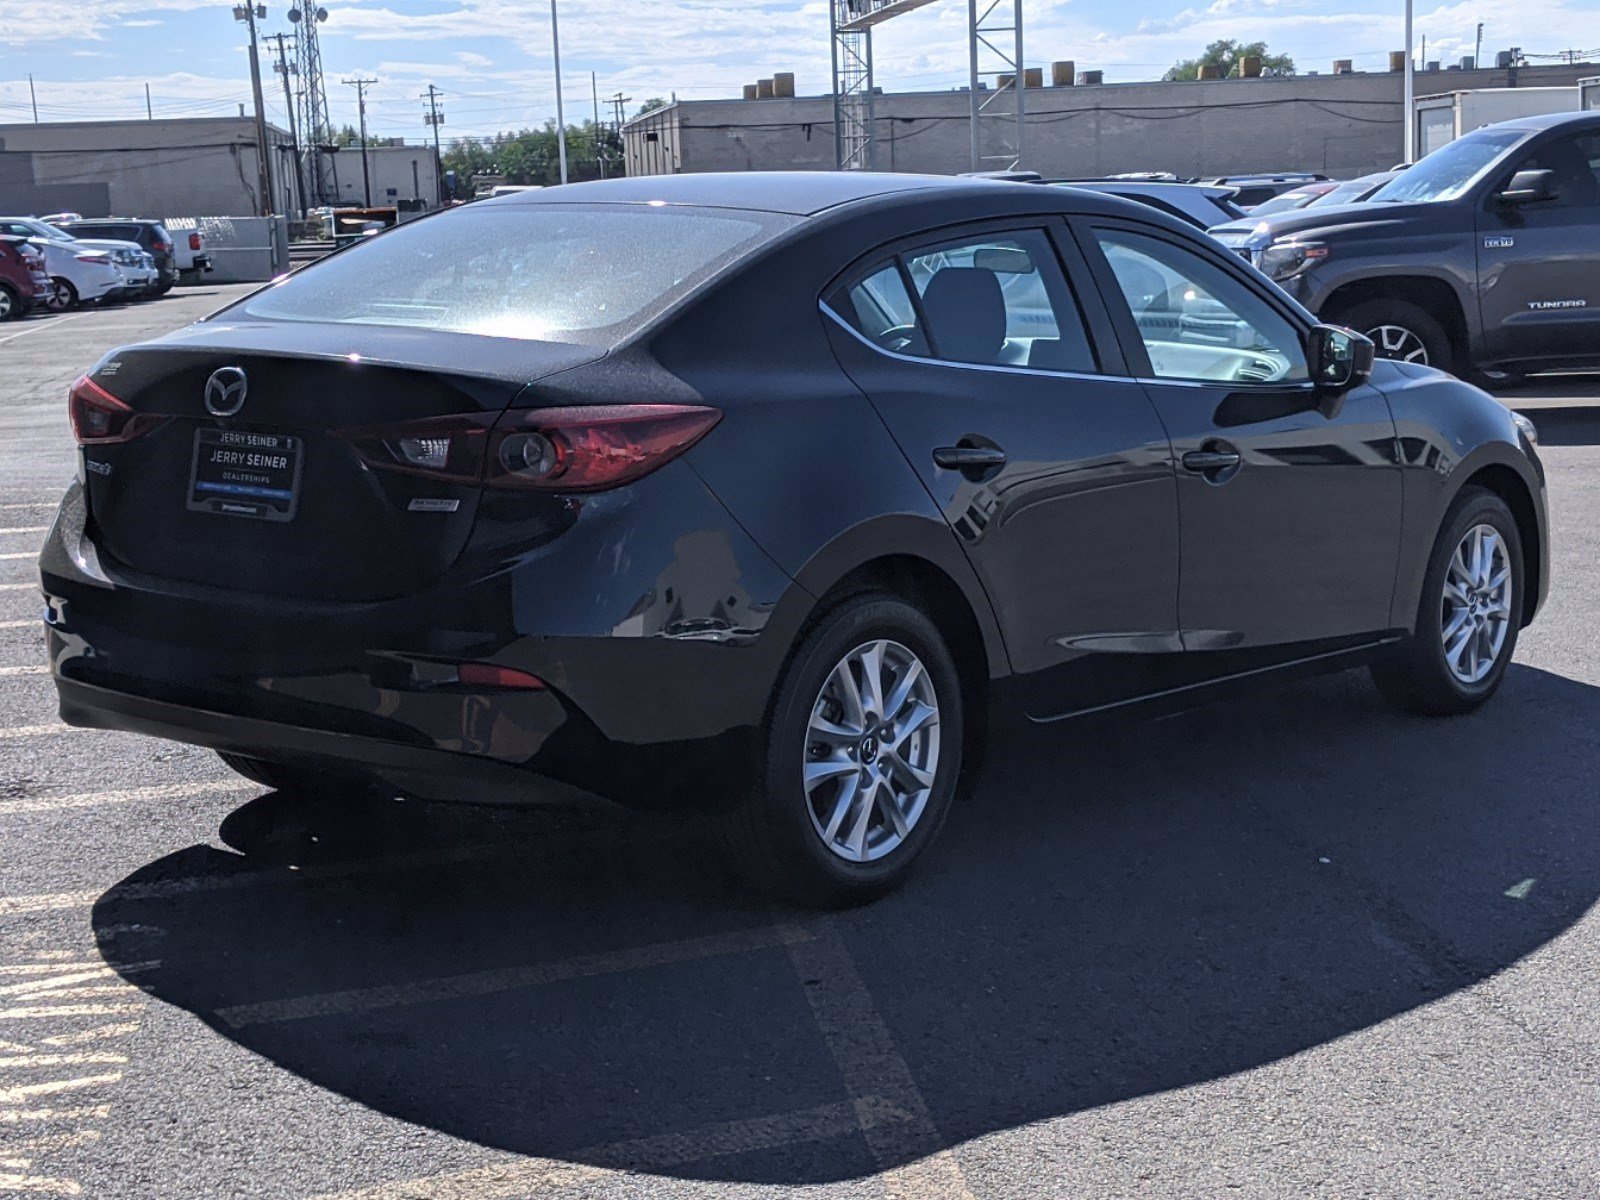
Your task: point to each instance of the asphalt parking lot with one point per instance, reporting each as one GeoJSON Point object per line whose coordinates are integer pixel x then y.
{"type": "Point", "coordinates": [1295, 945]}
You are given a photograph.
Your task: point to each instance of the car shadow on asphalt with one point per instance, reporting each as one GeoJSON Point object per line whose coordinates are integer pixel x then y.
{"type": "Point", "coordinates": [1113, 913]}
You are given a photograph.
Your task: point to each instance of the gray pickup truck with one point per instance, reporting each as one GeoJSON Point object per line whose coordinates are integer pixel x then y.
{"type": "Point", "coordinates": [1482, 259]}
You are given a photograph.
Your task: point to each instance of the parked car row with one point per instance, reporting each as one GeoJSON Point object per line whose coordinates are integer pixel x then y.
{"type": "Point", "coordinates": [65, 261]}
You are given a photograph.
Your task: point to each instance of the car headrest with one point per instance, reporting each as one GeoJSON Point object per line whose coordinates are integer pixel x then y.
{"type": "Point", "coordinates": [966, 313]}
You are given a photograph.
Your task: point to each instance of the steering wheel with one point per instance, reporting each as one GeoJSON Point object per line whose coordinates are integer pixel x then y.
{"type": "Point", "coordinates": [897, 338]}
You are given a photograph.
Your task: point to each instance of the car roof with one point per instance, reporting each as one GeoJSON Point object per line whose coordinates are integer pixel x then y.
{"type": "Point", "coordinates": [1552, 120]}
{"type": "Point", "coordinates": [800, 193]}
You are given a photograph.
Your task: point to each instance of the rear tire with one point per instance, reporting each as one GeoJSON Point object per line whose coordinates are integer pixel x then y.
{"type": "Point", "coordinates": [861, 759]}
{"type": "Point", "coordinates": [1402, 330]}
{"type": "Point", "coordinates": [1435, 672]}
{"type": "Point", "coordinates": [62, 296]}
{"type": "Point", "coordinates": [10, 303]}
{"type": "Point", "coordinates": [299, 778]}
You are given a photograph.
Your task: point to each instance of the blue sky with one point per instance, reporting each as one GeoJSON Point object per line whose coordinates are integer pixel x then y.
{"type": "Point", "coordinates": [93, 58]}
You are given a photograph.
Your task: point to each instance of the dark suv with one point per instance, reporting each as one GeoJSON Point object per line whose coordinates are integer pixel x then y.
{"type": "Point", "coordinates": [152, 236]}
{"type": "Point", "coordinates": [1483, 259]}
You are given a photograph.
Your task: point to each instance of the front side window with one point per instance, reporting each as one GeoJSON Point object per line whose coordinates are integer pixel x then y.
{"type": "Point", "coordinates": [543, 272]}
{"type": "Point", "coordinates": [1575, 162]}
{"type": "Point", "coordinates": [1196, 320]}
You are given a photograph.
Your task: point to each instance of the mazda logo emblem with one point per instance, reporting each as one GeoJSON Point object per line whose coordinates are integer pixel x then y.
{"type": "Point", "coordinates": [226, 390]}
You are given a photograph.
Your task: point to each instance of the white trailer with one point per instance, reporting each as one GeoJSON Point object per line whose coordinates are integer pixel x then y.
{"type": "Point", "coordinates": [1589, 94]}
{"type": "Point", "coordinates": [1442, 119]}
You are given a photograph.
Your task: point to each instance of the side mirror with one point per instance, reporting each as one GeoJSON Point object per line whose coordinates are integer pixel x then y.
{"type": "Point", "coordinates": [1529, 187]}
{"type": "Point", "coordinates": [1340, 359]}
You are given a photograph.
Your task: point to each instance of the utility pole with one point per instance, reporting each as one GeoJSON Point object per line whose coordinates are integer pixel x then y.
{"type": "Point", "coordinates": [286, 68]}
{"type": "Point", "coordinates": [1477, 49]}
{"type": "Point", "coordinates": [149, 113]}
{"type": "Point", "coordinates": [435, 118]}
{"type": "Point", "coordinates": [617, 113]}
{"type": "Point", "coordinates": [361, 86]}
{"type": "Point", "coordinates": [248, 13]}
{"type": "Point", "coordinates": [35, 99]}
{"type": "Point", "coordinates": [561, 120]}
{"type": "Point", "coordinates": [599, 154]}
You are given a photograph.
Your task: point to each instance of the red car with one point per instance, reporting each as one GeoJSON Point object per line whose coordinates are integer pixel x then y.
{"type": "Point", "coordinates": [23, 282]}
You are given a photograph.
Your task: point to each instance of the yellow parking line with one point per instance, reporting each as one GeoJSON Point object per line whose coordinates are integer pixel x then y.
{"type": "Point", "coordinates": [81, 1058]}
{"type": "Point", "coordinates": [524, 1176]}
{"type": "Point", "coordinates": [23, 1092]}
{"type": "Point", "coordinates": [92, 1112]}
{"type": "Point", "coordinates": [918, 1165]}
{"type": "Point", "coordinates": [17, 732]}
{"type": "Point", "coordinates": [68, 1010]}
{"type": "Point", "coordinates": [170, 791]}
{"type": "Point", "coordinates": [505, 979]}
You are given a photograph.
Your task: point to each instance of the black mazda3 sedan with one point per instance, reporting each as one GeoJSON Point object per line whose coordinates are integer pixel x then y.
{"type": "Point", "coordinates": [753, 493]}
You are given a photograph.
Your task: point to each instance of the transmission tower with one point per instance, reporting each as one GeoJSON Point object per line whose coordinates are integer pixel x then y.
{"type": "Point", "coordinates": [994, 34]}
{"type": "Point", "coordinates": [322, 180]}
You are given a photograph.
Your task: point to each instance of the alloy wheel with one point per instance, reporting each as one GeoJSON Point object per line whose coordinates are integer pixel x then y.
{"type": "Point", "coordinates": [1398, 342]}
{"type": "Point", "coordinates": [8, 304]}
{"type": "Point", "coordinates": [59, 298]}
{"type": "Point", "coordinates": [872, 751]}
{"type": "Point", "coordinates": [1475, 609]}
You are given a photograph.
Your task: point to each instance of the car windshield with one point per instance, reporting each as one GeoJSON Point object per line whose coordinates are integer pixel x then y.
{"type": "Point", "coordinates": [1450, 170]}
{"type": "Point", "coordinates": [545, 272]}
{"type": "Point", "coordinates": [1343, 194]}
{"type": "Point", "coordinates": [41, 229]}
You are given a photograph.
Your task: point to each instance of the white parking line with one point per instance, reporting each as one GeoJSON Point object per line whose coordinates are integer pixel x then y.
{"type": "Point", "coordinates": [20, 554]}
{"type": "Point", "coordinates": [166, 791]}
{"type": "Point", "coordinates": [29, 669]}
{"type": "Point", "coordinates": [30, 623]}
{"type": "Point", "coordinates": [18, 587]}
{"type": "Point", "coordinates": [23, 1092]}
{"type": "Point", "coordinates": [53, 323]}
{"type": "Point", "coordinates": [505, 979]}
{"type": "Point", "coordinates": [25, 529]}
{"type": "Point", "coordinates": [619, 1160]}
{"type": "Point", "coordinates": [89, 1113]}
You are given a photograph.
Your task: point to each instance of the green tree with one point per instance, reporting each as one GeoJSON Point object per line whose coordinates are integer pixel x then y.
{"type": "Point", "coordinates": [348, 136]}
{"type": "Point", "coordinates": [1225, 54]}
{"type": "Point", "coordinates": [532, 156]}
{"type": "Point", "coordinates": [651, 105]}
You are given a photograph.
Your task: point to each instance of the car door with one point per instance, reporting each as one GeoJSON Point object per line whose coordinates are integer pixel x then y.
{"type": "Point", "coordinates": [1290, 508]}
{"type": "Point", "coordinates": [1539, 263]}
{"type": "Point", "coordinates": [1048, 462]}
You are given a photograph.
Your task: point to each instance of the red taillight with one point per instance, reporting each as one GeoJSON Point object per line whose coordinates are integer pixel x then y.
{"type": "Point", "coordinates": [490, 676]}
{"type": "Point", "coordinates": [580, 449]}
{"type": "Point", "coordinates": [195, 241]}
{"type": "Point", "coordinates": [98, 417]}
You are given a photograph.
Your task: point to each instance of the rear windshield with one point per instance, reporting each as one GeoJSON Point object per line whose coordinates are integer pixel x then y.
{"type": "Point", "coordinates": [544, 272]}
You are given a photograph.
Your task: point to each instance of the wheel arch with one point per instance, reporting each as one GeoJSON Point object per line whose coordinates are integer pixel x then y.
{"type": "Point", "coordinates": [1429, 292]}
{"type": "Point", "coordinates": [1504, 482]}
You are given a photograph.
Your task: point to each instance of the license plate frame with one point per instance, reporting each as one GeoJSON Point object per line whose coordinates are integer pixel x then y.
{"type": "Point", "coordinates": [241, 473]}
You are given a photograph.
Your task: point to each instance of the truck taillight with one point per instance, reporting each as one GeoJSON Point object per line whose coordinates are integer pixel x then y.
{"type": "Point", "coordinates": [196, 242]}
{"type": "Point", "coordinates": [578, 449]}
{"type": "Point", "coordinates": [99, 418]}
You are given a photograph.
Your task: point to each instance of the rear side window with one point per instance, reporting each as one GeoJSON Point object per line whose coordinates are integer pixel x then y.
{"type": "Point", "coordinates": [998, 300]}
{"type": "Point", "coordinates": [543, 272]}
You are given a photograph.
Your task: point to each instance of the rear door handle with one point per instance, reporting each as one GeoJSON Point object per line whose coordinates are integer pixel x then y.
{"type": "Point", "coordinates": [1207, 462]}
{"type": "Point", "coordinates": [969, 458]}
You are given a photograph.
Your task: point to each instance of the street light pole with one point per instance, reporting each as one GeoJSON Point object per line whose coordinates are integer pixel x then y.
{"type": "Point", "coordinates": [561, 120]}
{"type": "Point", "coordinates": [1410, 92]}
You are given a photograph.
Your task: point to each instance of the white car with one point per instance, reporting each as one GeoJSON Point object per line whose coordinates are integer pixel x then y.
{"type": "Point", "coordinates": [81, 271]}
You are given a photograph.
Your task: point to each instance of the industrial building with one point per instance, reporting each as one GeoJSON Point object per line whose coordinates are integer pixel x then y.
{"type": "Point", "coordinates": [190, 167]}
{"type": "Point", "coordinates": [1341, 124]}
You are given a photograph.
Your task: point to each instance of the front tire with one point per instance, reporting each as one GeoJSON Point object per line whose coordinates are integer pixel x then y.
{"type": "Point", "coordinates": [1403, 331]}
{"type": "Point", "coordinates": [1469, 615]}
{"type": "Point", "coordinates": [861, 759]}
{"type": "Point", "coordinates": [10, 304]}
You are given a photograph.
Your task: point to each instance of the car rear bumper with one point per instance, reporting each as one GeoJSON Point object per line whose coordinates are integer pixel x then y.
{"type": "Point", "coordinates": [421, 771]}
{"type": "Point", "coordinates": [627, 692]}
